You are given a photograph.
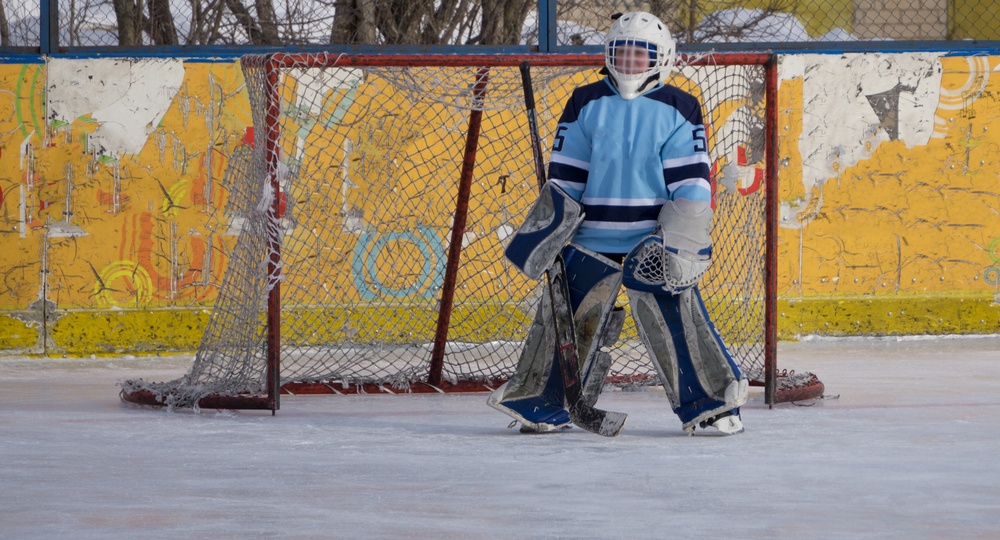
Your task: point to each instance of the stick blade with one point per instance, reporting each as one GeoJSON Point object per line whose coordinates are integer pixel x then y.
{"type": "Point", "coordinates": [594, 420]}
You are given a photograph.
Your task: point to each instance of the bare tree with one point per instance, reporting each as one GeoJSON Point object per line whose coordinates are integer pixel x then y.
{"type": "Point", "coordinates": [78, 19]}
{"type": "Point", "coordinates": [353, 22]}
{"type": "Point", "coordinates": [439, 23]}
{"type": "Point", "coordinates": [503, 21]}
{"type": "Point", "coordinates": [262, 27]}
{"type": "Point", "coordinates": [245, 20]}
{"type": "Point", "coordinates": [268, 22]}
{"type": "Point", "coordinates": [409, 22]}
{"type": "Point", "coordinates": [391, 22]}
{"type": "Point", "coordinates": [132, 22]}
{"type": "Point", "coordinates": [129, 22]}
{"type": "Point", "coordinates": [429, 22]}
{"type": "Point", "coordinates": [206, 21]}
{"type": "Point", "coordinates": [4, 27]}
{"type": "Point", "coordinates": [160, 24]}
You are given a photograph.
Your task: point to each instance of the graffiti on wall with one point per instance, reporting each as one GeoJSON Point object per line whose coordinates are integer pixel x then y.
{"type": "Point", "coordinates": [114, 186]}
{"type": "Point", "coordinates": [118, 164]}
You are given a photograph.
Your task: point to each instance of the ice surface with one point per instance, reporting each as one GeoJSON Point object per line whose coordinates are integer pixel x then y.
{"type": "Point", "coordinates": [909, 450]}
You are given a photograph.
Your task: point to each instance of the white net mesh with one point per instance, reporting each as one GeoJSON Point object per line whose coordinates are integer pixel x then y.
{"type": "Point", "coordinates": [368, 159]}
{"type": "Point", "coordinates": [649, 264]}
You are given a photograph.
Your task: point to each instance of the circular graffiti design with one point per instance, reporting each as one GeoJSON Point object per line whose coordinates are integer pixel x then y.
{"type": "Point", "coordinates": [993, 250]}
{"type": "Point", "coordinates": [370, 247]}
{"type": "Point", "coordinates": [124, 279]}
{"type": "Point", "coordinates": [992, 275]}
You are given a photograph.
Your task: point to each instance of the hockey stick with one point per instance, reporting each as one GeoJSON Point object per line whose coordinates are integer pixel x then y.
{"type": "Point", "coordinates": [606, 423]}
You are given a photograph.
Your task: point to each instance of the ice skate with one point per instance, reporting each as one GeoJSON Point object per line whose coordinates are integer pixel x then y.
{"type": "Point", "coordinates": [535, 414]}
{"type": "Point", "coordinates": [726, 423]}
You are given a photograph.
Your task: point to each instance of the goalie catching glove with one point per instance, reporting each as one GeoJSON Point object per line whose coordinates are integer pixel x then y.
{"type": "Point", "coordinates": [677, 254]}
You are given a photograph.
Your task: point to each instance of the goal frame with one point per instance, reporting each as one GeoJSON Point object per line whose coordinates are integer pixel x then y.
{"type": "Point", "coordinates": [273, 63]}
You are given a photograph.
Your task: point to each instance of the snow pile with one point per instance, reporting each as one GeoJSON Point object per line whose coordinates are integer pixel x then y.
{"type": "Point", "coordinates": [725, 26]}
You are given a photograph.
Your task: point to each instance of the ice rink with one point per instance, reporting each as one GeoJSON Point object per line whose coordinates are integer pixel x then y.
{"type": "Point", "coordinates": [908, 450]}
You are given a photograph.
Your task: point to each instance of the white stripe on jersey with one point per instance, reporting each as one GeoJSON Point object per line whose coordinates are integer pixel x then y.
{"type": "Point", "coordinates": [618, 226]}
{"type": "Point", "coordinates": [689, 160]}
{"type": "Point", "coordinates": [568, 185]}
{"type": "Point", "coordinates": [566, 160]}
{"type": "Point", "coordinates": [611, 201]}
{"type": "Point", "coordinates": [689, 182]}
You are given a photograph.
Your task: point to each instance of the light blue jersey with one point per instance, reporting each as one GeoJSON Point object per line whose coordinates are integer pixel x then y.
{"type": "Point", "coordinates": [622, 159]}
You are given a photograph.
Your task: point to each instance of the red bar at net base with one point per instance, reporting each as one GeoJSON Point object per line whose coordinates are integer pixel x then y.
{"type": "Point", "coordinates": [417, 387]}
{"type": "Point", "coordinates": [147, 398]}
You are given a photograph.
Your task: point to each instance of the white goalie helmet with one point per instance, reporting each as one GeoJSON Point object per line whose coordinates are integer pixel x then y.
{"type": "Point", "coordinates": [638, 49]}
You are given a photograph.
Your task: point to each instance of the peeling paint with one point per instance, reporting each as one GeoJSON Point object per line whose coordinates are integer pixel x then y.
{"type": "Point", "coordinates": [127, 98]}
{"type": "Point", "coordinates": [850, 105]}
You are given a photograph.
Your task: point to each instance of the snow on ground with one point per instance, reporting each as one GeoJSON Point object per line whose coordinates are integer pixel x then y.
{"type": "Point", "coordinates": [909, 450]}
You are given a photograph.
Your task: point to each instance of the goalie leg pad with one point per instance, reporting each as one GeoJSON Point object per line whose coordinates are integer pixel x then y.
{"type": "Point", "coordinates": [601, 365]}
{"type": "Point", "coordinates": [594, 283]}
{"type": "Point", "coordinates": [535, 393]}
{"type": "Point", "coordinates": [698, 373]}
{"type": "Point", "coordinates": [548, 227]}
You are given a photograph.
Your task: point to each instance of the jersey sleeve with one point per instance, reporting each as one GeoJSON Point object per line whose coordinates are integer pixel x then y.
{"type": "Point", "coordinates": [569, 164]}
{"type": "Point", "coordinates": [685, 158]}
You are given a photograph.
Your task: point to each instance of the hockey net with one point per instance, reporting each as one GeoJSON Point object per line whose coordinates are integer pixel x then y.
{"type": "Point", "coordinates": [373, 203]}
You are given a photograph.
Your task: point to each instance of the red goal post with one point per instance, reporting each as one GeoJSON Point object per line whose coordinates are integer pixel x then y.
{"type": "Point", "coordinates": [372, 209]}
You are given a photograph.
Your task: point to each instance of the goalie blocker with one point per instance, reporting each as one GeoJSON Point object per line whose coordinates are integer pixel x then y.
{"type": "Point", "coordinates": [550, 224]}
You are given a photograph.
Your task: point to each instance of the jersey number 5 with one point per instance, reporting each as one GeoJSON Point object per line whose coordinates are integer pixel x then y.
{"type": "Point", "coordinates": [557, 144]}
{"type": "Point", "coordinates": [700, 144]}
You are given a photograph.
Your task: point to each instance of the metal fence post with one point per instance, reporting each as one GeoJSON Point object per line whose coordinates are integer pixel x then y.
{"type": "Point", "coordinates": [48, 31]}
{"type": "Point", "coordinates": [547, 26]}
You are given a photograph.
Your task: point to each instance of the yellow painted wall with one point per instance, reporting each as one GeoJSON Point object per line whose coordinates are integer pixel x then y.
{"type": "Point", "coordinates": [907, 241]}
{"type": "Point", "coordinates": [106, 256]}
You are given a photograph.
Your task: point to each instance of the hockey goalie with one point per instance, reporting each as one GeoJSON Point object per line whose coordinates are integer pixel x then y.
{"type": "Point", "coordinates": [627, 203]}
